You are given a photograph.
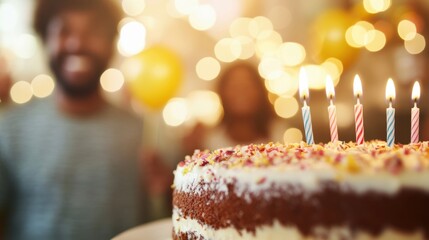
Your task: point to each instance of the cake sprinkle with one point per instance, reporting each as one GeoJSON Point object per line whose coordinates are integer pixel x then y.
{"type": "Point", "coordinates": [344, 156]}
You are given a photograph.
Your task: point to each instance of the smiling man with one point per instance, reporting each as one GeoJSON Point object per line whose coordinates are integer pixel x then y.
{"type": "Point", "coordinates": [68, 163]}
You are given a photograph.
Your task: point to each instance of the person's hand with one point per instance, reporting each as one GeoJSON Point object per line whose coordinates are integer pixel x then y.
{"type": "Point", "coordinates": [157, 176]}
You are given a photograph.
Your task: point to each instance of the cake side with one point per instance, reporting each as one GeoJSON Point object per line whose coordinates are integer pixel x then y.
{"type": "Point", "coordinates": [318, 190]}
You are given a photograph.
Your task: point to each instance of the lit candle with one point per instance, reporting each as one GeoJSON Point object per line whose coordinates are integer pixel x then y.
{"type": "Point", "coordinates": [415, 113]}
{"type": "Point", "coordinates": [306, 115]}
{"type": "Point", "coordinates": [390, 112]}
{"type": "Point", "coordinates": [332, 110]}
{"type": "Point", "coordinates": [357, 91]}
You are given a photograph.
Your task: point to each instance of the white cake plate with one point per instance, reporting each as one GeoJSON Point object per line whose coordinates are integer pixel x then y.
{"type": "Point", "coordinates": [158, 230]}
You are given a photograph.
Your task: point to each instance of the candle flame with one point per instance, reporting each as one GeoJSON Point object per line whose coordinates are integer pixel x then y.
{"type": "Point", "coordinates": [330, 90]}
{"type": "Point", "coordinates": [390, 90]}
{"type": "Point", "coordinates": [357, 86]}
{"type": "Point", "coordinates": [303, 84]}
{"type": "Point", "coordinates": [416, 91]}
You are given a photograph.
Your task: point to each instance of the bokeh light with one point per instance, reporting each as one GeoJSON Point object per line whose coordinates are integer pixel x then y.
{"type": "Point", "coordinates": [207, 68]}
{"type": "Point", "coordinates": [293, 84]}
{"type": "Point", "coordinates": [376, 6]}
{"type": "Point", "coordinates": [132, 38]}
{"type": "Point", "coordinates": [277, 86]}
{"type": "Point", "coordinates": [286, 107]}
{"type": "Point", "coordinates": [240, 27]}
{"type": "Point", "coordinates": [292, 53]}
{"type": "Point", "coordinates": [270, 67]}
{"type": "Point", "coordinates": [112, 80]}
{"type": "Point", "coordinates": [357, 37]}
{"type": "Point", "coordinates": [203, 17]}
{"type": "Point", "coordinates": [334, 68]}
{"type": "Point", "coordinates": [25, 46]}
{"type": "Point", "coordinates": [268, 42]}
{"type": "Point", "coordinates": [316, 76]}
{"type": "Point", "coordinates": [258, 25]}
{"type": "Point", "coordinates": [415, 45]}
{"type": "Point", "coordinates": [133, 7]}
{"type": "Point", "coordinates": [247, 47]}
{"type": "Point", "coordinates": [407, 30]}
{"type": "Point", "coordinates": [186, 7]}
{"type": "Point", "coordinates": [42, 85]}
{"type": "Point", "coordinates": [175, 112]}
{"type": "Point", "coordinates": [205, 107]}
{"type": "Point", "coordinates": [131, 68]}
{"type": "Point", "coordinates": [228, 49]}
{"type": "Point", "coordinates": [285, 85]}
{"type": "Point", "coordinates": [375, 40]}
{"type": "Point", "coordinates": [349, 37]}
{"type": "Point", "coordinates": [21, 92]}
{"type": "Point", "coordinates": [292, 135]}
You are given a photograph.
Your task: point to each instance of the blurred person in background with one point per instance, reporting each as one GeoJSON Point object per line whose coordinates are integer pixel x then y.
{"type": "Point", "coordinates": [69, 163]}
{"type": "Point", "coordinates": [248, 115]}
{"type": "Point", "coordinates": [5, 82]}
{"type": "Point", "coordinates": [248, 118]}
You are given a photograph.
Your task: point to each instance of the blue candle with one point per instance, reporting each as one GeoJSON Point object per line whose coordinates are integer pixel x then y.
{"type": "Point", "coordinates": [390, 113]}
{"type": "Point", "coordinates": [306, 114]}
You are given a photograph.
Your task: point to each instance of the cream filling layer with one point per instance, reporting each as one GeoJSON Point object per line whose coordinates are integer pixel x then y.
{"type": "Point", "coordinates": [257, 180]}
{"type": "Point", "coordinates": [280, 232]}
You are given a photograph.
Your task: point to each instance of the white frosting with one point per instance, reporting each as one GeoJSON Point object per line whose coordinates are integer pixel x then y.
{"type": "Point", "coordinates": [257, 180]}
{"type": "Point", "coordinates": [357, 168]}
{"type": "Point", "coordinates": [280, 232]}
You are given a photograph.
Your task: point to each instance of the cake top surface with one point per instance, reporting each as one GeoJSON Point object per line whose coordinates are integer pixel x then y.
{"type": "Point", "coordinates": [372, 156]}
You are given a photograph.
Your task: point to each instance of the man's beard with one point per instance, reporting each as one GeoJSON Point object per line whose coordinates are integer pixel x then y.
{"type": "Point", "coordinates": [90, 87]}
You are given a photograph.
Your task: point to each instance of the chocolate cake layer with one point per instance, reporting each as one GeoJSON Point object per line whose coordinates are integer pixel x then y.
{"type": "Point", "coordinates": [406, 211]}
{"type": "Point", "coordinates": [186, 236]}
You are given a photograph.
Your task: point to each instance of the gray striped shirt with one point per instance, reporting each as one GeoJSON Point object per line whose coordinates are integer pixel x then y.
{"type": "Point", "coordinates": [64, 177]}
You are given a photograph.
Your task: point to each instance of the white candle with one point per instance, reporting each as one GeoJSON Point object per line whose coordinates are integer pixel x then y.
{"type": "Point", "coordinates": [332, 110]}
{"type": "Point", "coordinates": [359, 129]}
{"type": "Point", "coordinates": [390, 112]}
{"type": "Point", "coordinates": [306, 114]}
{"type": "Point", "coordinates": [415, 113]}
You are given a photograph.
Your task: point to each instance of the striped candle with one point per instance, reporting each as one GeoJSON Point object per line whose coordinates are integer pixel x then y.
{"type": "Point", "coordinates": [332, 110]}
{"type": "Point", "coordinates": [359, 123]}
{"type": "Point", "coordinates": [415, 118]}
{"type": "Point", "coordinates": [390, 113]}
{"type": "Point", "coordinates": [415, 114]}
{"type": "Point", "coordinates": [306, 115]}
{"type": "Point", "coordinates": [357, 91]}
{"type": "Point", "coordinates": [308, 128]}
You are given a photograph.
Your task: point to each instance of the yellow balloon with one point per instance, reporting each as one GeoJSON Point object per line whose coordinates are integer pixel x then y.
{"type": "Point", "coordinates": [157, 75]}
{"type": "Point", "coordinates": [328, 34]}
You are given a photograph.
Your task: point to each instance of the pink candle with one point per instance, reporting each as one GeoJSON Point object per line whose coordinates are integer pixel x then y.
{"type": "Point", "coordinates": [357, 90]}
{"type": "Point", "coordinates": [415, 114]}
{"type": "Point", "coordinates": [332, 110]}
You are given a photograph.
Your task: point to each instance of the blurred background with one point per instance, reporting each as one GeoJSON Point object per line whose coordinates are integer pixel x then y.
{"type": "Point", "coordinates": [171, 52]}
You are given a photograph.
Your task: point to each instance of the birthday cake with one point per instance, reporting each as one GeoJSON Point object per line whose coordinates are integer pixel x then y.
{"type": "Point", "coordinates": [298, 191]}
